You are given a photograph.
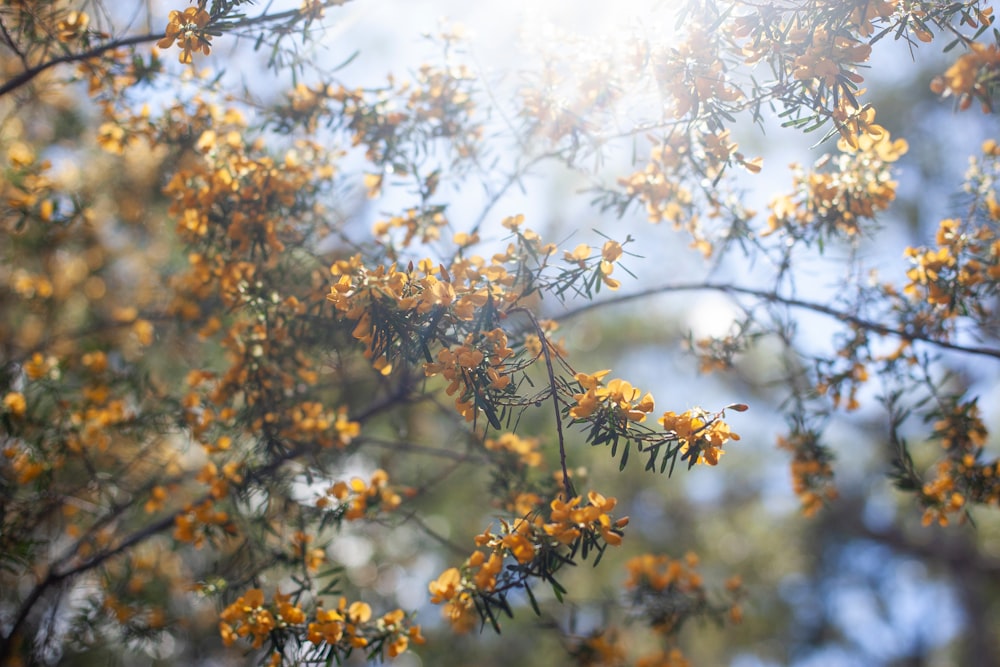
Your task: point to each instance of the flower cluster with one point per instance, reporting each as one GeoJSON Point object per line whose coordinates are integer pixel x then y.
{"type": "Point", "coordinates": [425, 224]}
{"type": "Point", "coordinates": [716, 353]}
{"type": "Point", "coordinates": [948, 280]}
{"type": "Point", "coordinates": [568, 521]}
{"type": "Point", "coordinates": [477, 367]}
{"type": "Point", "coordinates": [218, 480]}
{"type": "Point", "coordinates": [73, 26]}
{"type": "Point", "coordinates": [601, 648]}
{"type": "Point", "coordinates": [812, 474]}
{"type": "Point", "coordinates": [842, 191]}
{"type": "Point", "coordinates": [616, 412]}
{"type": "Point", "coordinates": [525, 548]}
{"type": "Point", "coordinates": [228, 194]}
{"type": "Point", "coordinates": [247, 616]}
{"type": "Point", "coordinates": [618, 400]}
{"type": "Point", "coordinates": [188, 29]}
{"type": "Point", "coordinates": [701, 435]}
{"type": "Point", "coordinates": [347, 627]}
{"type": "Point", "coordinates": [667, 592]}
{"type": "Point", "coordinates": [196, 522]}
{"type": "Point", "coordinates": [966, 261]}
{"type": "Point", "coordinates": [692, 75]}
{"type": "Point", "coordinates": [658, 185]}
{"type": "Point", "coordinates": [962, 477]}
{"type": "Point", "coordinates": [406, 312]}
{"type": "Point", "coordinates": [395, 126]}
{"type": "Point", "coordinates": [524, 450]}
{"type": "Point", "coordinates": [313, 422]}
{"type": "Point", "coordinates": [356, 499]}
{"type": "Point", "coordinates": [974, 76]}
{"type": "Point", "coordinates": [611, 252]}
{"type": "Point", "coordinates": [459, 606]}
{"type": "Point", "coordinates": [828, 57]}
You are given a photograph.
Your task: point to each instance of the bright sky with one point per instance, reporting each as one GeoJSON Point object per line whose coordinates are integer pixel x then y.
{"type": "Point", "coordinates": [392, 26]}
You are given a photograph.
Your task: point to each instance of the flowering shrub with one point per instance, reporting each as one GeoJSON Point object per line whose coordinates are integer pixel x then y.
{"type": "Point", "coordinates": [232, 393]}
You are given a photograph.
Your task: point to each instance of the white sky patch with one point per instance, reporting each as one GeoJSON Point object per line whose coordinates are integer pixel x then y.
{"type": "Point", "coordinates": [352, 550]}
{"type": "Point", "coordinates": [597, 18]}
{"type": "Point", "coordinates": [498, 30]}
{"type": "Point", "coordinates": [713, 316]}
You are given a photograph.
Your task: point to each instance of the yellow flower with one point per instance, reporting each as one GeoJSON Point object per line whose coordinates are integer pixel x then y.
{"type": "Point", "coordinates": [970, 76]}
{"type": "Point", "coordinates": [373, 185]}
{"type": "Point", "coordinates": [590, 381]}
{"type": "Point", "coordinates": [586, 404]}
{"type": "Point", "coordinates": [568, 520]}
{"type": "Point", "coordinates": [312, 8]}
{"type": "Point", "coordinates": [695, 429]}
{"type": "Point", "coordinates": [143, 330]}
{"type": "Point", "coordinates": [513, 222]}
{"type": "Point", "coordinates": [359, 612]}
{"type": "Point", "coordinates": [329, 627]}
{"type": "Point", "coordinates": [157, 496]}
{"type": "Point", "coordinates": [445, 587]}
{"type": "Point", "coordinates": [579, 255]}
{"type": "Point", "coordinates": [612, 251]}
{"type": "Point", "coordinates": [39, 366]}
{"type": "Point", "coordinates": [14, 402]}
{"type": "Point", "coordinates": [288, 612]}
{"type": "Point", "coordinates": [72, 27]}
{"type": "Point", "coordinates": [520, 547]}
{"type": "Point", "coordinates": [486, 578]}
{"type": "Point", "coordinates": [188, 29]}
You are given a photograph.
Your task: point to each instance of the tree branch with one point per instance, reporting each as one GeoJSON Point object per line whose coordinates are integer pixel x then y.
{"type": "Point", "coordinates": [30, 73]}
{"type": "Point", "coordinates": [774, 297]}
{"type": "Point", "coordinates": [27, 75]}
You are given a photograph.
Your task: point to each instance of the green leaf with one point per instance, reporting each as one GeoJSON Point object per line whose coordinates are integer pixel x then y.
{"type": "Point", "coordinates": [624, 461]}
{"type": "Point", "coordinates": [532, 601]}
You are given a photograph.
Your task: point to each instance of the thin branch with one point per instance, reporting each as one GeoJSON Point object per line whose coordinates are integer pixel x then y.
{"type": "Point", "coordinates": [774, 297]}
{"type": "Point", "coordinates": [9, 39]}
{"type": "Point", "coordinates": [518, 173]}
{"type": "Point", "coordinates": [27, 75]}
{"type": "Point", "coordinates": [414, 448]}
{"type": "Point", "coordinates": [436, 536]}
{"type": "Point", "coordinates": [54, 577]}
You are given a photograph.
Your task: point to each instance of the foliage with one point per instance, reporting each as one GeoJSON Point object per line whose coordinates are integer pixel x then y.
{"type": "Point", "coordinates": [212, 373]}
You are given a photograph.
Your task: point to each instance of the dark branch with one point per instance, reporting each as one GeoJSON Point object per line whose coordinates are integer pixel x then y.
{"type": "Point", "coordinates": [27, 75]}
{"type": "Point", "coordinates": [774, 297]}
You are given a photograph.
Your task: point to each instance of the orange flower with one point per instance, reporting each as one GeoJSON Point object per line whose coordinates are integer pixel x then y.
{"type": "Point", "coordinates": [188, 29]}
{"type": "Point", "coordinates": [72, 27]}
{"type": "Point", "coordinates": [14, 402]}
{"type": "Point", "coordinates": [445, 587]}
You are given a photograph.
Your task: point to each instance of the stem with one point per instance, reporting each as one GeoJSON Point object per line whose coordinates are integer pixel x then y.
{"type": "Point", "coordinates": [567, 483]}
